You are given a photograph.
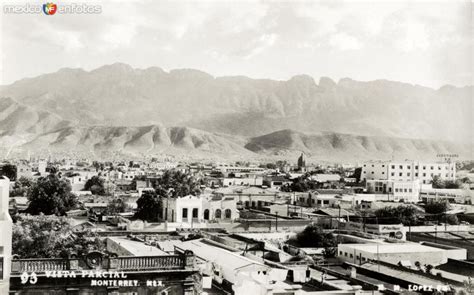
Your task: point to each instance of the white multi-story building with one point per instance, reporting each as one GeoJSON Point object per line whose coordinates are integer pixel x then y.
{"type": "Point", "coordinates": [406, 190]}
{"type": "Point", "coordinates": [6, 239]}
{"type": "Point", "coordinates": [408, 171]}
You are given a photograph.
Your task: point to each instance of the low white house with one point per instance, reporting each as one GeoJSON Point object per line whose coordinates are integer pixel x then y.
{"type": "Point", "coordinates": [194, 209]}
{"type": "Point", "coordinates": [409, 253]}
{"type": "Point", "coordinates": [183, 209]}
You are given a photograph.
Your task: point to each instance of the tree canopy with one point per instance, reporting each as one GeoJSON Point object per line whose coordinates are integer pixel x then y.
{"type": "Point", "coordinates": [51, 195]}
{"type": "Point", "coordinates": [116, 206]}
{"type": "Point", "coordinates": [301, 184]}
{"type": "Point", "coordinates": [9, 170]}
{"type": "Point", "coordinates": [21, 187]}
{"type": "Point", "coordinates": [437, 212]}
{"type": "Point", "coordinates": [51, 237]}
{"type": "Point", "coordinates": [407, 215]}
{"type": "Point", "coordinates": [437, 182]}
{"type": "Point", "coordinates": [95, 184]}
{"type": "Point", "coordinates": [149, 206]}
{"type": "Point", "coordinates": [174, 183]}
{"type": "Point", "coordinates": [437, 207]}
{"type": "Point", "coordinates": [313, 236]}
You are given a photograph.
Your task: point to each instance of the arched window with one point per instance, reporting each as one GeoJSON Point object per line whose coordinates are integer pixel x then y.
{"type": "Point", "coordinates": [228, 213]}
{"type": "Point", "coordinates": [218, 213]}
{"type": "Point", "coordinates": [247, 204]}
{"type": "Point", "coordinates": [206, 214]}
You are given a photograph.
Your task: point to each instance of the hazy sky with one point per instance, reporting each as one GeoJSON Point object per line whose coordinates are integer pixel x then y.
{"type": "Point", "coordinates": [424, 42]}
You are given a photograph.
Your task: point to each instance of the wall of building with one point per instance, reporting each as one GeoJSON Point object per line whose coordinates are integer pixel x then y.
{"type": "Point", "coordinates": [408, 170]}
{"type": "Point", "coordinates": [408, 191]}
{"type": "Point", "coordinates": [435, 257]}
{"type": "Point", "coordinates": [396, 231]}
{"type": "Point", "coordinates": [6, 236]}
{"type": "Point", "coordinates": [178, 206]}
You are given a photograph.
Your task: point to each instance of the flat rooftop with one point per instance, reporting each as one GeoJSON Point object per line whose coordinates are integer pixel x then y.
{"type": "Point", "coordinates": [138, 248]}
{"type": "Point", "coordinates": [392, 248]}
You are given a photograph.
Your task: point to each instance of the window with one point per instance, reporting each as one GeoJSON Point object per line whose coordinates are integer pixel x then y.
{"type": "Point", "coordinates": [228, 213]}
{"type": "Point", "coordinates": [400, 174]}
{"type": "Point", "coordinates": [408, 174]}
{"type": "Point", "coordinates": [424, 174]}
{"type": "Point", "coordinates": [372, 172]}
{"type": "Point", "coordinates": [393, 173]}
{"type": "Point", "coordinates": [185, 212]}
{"type": "Point", "coordinates": [424, 167]}
{"type": "Point", "coordinates": [432, 167]}
{"type": "Point", "coordinates": [195, 212]}
{"type": "Point", "coordinates": [416, 167]}
{"type": "Point", "coordinates": [218, 213]}
{"type": "Point", "coordinates": [410, 190]}
{"type": "Point", "coordinates": [439, 167]}
{"type": "Point", "coordinates": [405, 190]}
{"type": "Point", "coordinates": [383, 166]}
{"type": "Point", "coordinates": [340, 253]}
{"type": "Point", "coordinates": [1, 268]}
{"type": "Point", "coordinates": [408, 167]}
{"type": "Point", "coordinates": [393, 166]}
{"type": "Point", "coordinates": [416, 174]}
{"type": "Point", "coordinates": [345, 254]}
{"type": "Point", "coordinates": [351, 256]}
{"type": "Point", "coordinates": [401, 166]}
{"type": "Point", "coordinates": [383, 172]}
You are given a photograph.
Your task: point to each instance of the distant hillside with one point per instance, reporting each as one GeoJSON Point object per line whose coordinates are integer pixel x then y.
{"type": "Point", "coordinates": [349, 147]}
{"type": "Point", "coordinates": [118, 95]}
{"type": "Point", "coordinates": [136, 140]}
{"type": "Point", "coordinates": [118, 108]}
{"type": "Point", "coordinates": [188, 142]}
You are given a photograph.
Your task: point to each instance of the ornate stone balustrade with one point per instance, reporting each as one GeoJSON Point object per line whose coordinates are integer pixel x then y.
{"type": "Point", "coordinates": [39, 265]}
{"type": "Point", "coordinates": [129, 263]}
{"type": "Point", "coordinates": [148, 263]}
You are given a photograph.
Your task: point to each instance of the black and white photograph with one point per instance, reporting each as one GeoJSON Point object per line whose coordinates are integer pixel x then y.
{"type": "Point", "coordinates": [236, 147]}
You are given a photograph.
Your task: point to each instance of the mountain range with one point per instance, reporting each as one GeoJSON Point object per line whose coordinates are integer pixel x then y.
{"type": "Point", "coordinates": [148, 111]}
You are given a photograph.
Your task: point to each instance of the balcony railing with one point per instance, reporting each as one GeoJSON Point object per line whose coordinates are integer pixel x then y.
{"type": "Point", "coordinates": [129, 263]}
{"type": "Point", "coordinates": [148, 263]}
{"type": "Point", "coordinates": [39, 265]}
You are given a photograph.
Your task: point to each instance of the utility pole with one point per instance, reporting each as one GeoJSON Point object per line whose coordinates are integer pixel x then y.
{"type": "Point", "coordinates": [276, 221]}
{"type": "Point", "coordinates": [338, 224]}
{"type": "Point", "coordinates": [378, 258]}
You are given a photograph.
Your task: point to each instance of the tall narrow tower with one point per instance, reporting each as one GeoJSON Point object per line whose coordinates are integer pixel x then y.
{"type": "Point", "coordinates": [302, 162]}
